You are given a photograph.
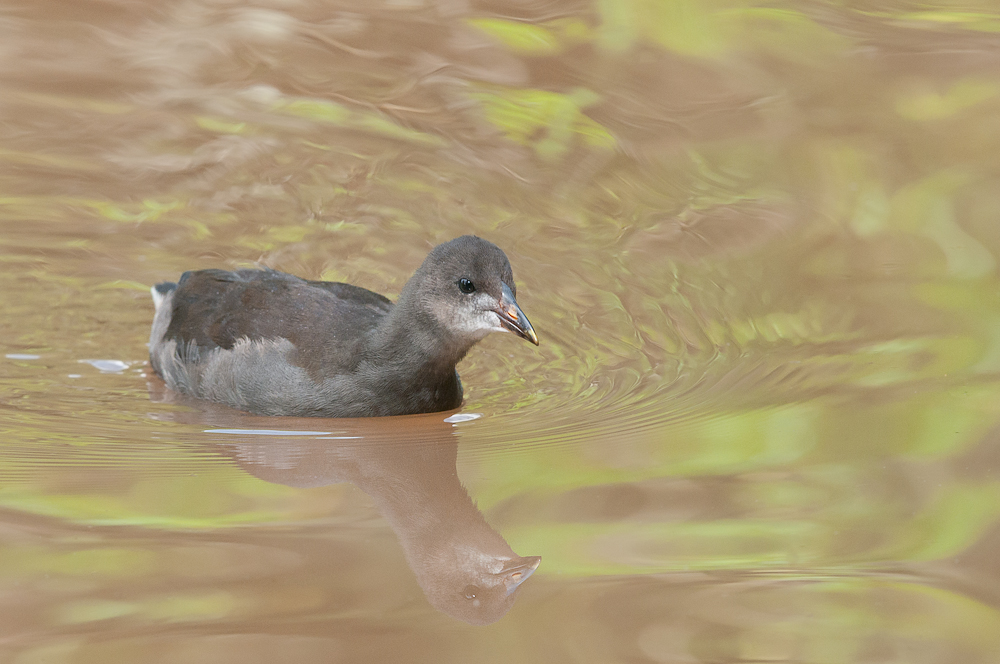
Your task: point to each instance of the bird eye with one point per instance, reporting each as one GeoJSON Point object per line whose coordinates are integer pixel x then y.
{"type": "Point", "coordinates": [470, 591]}
{"type": "Point", "coordinates": [466, 286]}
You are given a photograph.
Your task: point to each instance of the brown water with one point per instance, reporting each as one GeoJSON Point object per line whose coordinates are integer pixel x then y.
{"type": "Point", "coordinates": [758, 242]}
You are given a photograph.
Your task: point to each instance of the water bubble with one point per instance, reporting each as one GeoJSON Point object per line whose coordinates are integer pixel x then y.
{"type": "Point", "coordinates": [106, 366]}
{"type": "Point", "coordinates": [462, 417]}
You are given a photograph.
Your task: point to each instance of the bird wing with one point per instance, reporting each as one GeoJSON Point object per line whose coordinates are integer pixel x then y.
{"type": "Point", "coordinates": [217, 308]}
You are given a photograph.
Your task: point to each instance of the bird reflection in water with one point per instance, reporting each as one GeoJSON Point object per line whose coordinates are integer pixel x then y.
{"type": "Point", "coordinates": [407, 465]}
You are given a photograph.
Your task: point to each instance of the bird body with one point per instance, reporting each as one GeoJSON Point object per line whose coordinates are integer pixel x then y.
{"type": "Point", "coordinates": [274, 344]}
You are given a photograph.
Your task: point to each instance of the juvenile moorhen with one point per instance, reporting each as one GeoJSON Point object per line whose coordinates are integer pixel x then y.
{"type": "Point", "coordinates": [274, 344]}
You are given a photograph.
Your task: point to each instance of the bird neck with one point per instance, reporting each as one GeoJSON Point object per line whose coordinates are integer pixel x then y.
{"type": "Point", "coordinates": [411, 336]}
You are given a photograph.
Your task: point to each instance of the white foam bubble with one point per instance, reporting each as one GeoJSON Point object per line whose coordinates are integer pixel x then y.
{"type": "Point", "coordinates": [462, 417]}
{"type": "Point", "coordinates": [106, 366]}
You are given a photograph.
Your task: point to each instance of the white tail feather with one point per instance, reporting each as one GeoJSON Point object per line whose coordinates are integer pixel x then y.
{"type": "Point", "coordinates": [157, 297]}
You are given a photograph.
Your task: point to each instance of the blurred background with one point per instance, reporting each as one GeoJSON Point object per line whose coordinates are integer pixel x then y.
{"type": "Point", "coordinates": [758, 242]}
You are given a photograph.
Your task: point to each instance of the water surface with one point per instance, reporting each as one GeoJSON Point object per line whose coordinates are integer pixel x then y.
{"type": "Point", "coordinates": [759, 246]}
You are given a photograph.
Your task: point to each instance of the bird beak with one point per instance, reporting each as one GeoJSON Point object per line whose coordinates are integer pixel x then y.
{"type": "Point", "coordinates": [512, 318]}
{"type": "Point", "coordinates": [517, 571]}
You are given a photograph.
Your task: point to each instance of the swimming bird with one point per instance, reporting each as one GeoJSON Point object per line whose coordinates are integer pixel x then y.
{"type": "Point", "coordinates": [273, 344]}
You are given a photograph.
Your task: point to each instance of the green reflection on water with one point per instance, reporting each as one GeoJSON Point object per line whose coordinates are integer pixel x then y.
{"type": "Point", "coordinates": [521, 114]}
{"type": "Point", "coordinates": [105, 561]}
{"type": "Point", "coordinates": [521, 37]}
{"type": "Point", "coordinates": [326, 111]}
{"type": "Point", "coordinates": [218, 498]}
